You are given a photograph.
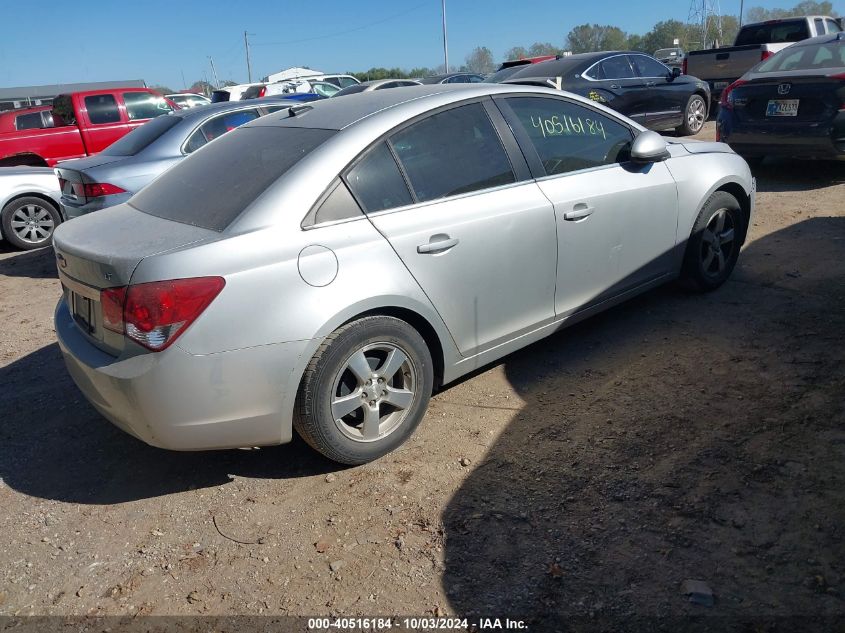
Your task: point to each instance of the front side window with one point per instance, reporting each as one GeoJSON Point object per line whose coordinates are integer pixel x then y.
{"type": "Point", "coordinates": [832, 26]}
{"type": "Point", "coordinates": [218, 126]}
{"type": "Point", "coordinates": [143, 105]}
{"type": "Point", "coordinates": [102, 109]}
{"type": "Point", "coordinates": [648, 67]}
{"type": "Point", "coordinates": [453, 152]}
{"type": "Point", "coordinates": [345, 82]}
{"type": "Point", "coordinates": [568, 136]}
{"type": "Point", "coordinates": [377, 182]}
{"type": "Point", "coordinates": [616, 67]}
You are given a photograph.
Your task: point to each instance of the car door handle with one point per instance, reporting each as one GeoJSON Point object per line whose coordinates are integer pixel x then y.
{"type": "Point", "coordinates": [579, 212]}
{"type": "Point", "coordinates": [437, 244]}
{"type": "Point", "coordinates": [614, 87]}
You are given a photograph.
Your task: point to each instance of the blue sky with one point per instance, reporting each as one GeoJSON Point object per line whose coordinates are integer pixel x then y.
{"type": "Point", "coordinates": [158, 40]}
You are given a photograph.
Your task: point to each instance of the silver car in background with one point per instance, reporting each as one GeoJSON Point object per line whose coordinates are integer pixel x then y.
{"type": "Point", "coordinates": [377, 84]}
{"type": "Point", "coordinates": [124, 167]}
{"type": "Point", "coordinates": [361, 251]}
{"type": "Point", "coordinates": [29, 206]}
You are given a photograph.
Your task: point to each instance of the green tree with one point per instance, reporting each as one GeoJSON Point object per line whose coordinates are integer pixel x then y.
{"type": "Point", "coordinates": [543, 48]}
{"type": "Point", "coordinates": [635, 43]}
{"type": "Point", "coordinates": [480, 60]}
{"type": "Point", "coordinates": [663, 34]}
{"type": "Point", "coordinates": [517, 52]}
{"type": "Point", "coordinates": [586, 38]}
{"type": "Point", "coordinates": [806, 7]}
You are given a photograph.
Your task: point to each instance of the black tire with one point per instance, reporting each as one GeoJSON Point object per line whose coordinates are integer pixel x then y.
{"type": "Point", "coordinates": [695, 116]}
{"type": "Point", "coordinates": [43, 215]}
{"type": "Point", "coordinates": [710, 257]}
{"type": "Point", "coordinates": [330, 376]}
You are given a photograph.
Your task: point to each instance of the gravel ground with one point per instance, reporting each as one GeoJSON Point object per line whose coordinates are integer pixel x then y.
{"type": "Point", "coordinates": [584, 479]}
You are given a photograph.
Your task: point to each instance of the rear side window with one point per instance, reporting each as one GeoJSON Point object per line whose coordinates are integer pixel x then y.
{"type": "Point", "coordinates": [143, 105]}
{"type": "Point", "coordinates": [338, 205]}
{"type": "Point", "coordinates": [102, 109]}
{"type": "Point", "coordinates": [377, 182]}
{"type": "Point", "coordinates": [832, 26]}
{"type": "Point", "coordinates": [616, 67]}
{"type": "Point", "coordinates": [568, 136]}
{"type": "Point", "coordinates": [29, 121]}
{"type": "Point", "coordinates": [218, 126]}
{"type": "Point", "coordinates": [453, 152]}
{"type": "Point", "coordinates": [210, 189]}
{"type": "Point", "coordinates": [345, 82]}
{"type": "Point", "coordinates": [141, 137]}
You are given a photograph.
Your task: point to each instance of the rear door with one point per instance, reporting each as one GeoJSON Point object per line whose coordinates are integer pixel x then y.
{"type": "Point", "coordinates": [464, 216]}
{"type": "Point", "coordinates": [101, 120]}
{"type": "Point", "coordinates": [627, 92]}
{"type": "Point", "coordinates": [615, 221]}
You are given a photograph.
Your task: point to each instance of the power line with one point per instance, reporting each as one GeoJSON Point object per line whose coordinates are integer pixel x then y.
{"type": "Point", "coordinates": [352, 30]}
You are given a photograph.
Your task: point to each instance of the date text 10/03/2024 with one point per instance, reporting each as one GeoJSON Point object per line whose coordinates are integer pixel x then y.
{"type": "Point", "coordinates": [414, 624]}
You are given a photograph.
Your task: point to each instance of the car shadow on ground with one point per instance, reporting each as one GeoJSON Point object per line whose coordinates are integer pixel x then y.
{"type": "Point", "coordinates": [54, 445]}
{"type": "Point", "coordinates": [779, 175]}
{"type": "Point", "coordinates": [36, 264]}
{"type": "Point", "coordinates": [676, 437]}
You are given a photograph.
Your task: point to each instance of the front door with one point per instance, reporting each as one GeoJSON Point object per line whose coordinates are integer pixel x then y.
{"type": "Point", "coordinates": [480, 244]}
{"type": "Point", "coordinates": [616, 221]}
{"type": "Point", "coordinates": [629, 94]}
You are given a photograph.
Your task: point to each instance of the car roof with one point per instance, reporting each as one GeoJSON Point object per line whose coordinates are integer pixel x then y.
{"type": "Point", "coordinates": [337, 114]}
{"type": "Point", "coordinates": [225, 106]}
{"type": "Point", "coordinates": [564, 65]}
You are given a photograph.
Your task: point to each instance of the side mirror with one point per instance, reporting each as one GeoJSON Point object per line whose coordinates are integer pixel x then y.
{"type": "Point", "coordinates": [676, 72]}
{"type": "Point", "coordinates": [649, 147]}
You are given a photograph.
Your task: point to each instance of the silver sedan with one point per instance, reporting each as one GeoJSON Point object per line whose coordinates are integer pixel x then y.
{"type": "Point", "coordinates": [124, 167]}
{"type": "Point", "coordinates": [324, 268]}
{"type": "Point", "coordinates": [29, 206]}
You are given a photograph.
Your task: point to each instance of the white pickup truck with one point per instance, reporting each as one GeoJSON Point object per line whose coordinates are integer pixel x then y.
{"type": "Point", "coordinates": [720, 67]}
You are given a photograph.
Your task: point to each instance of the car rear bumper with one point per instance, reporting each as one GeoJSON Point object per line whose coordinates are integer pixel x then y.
{"type": "Point", "coordinates": [180, 401]}
{"type": "Point", "coordinates": [782, 139]}
{"type": "Point", "coordinates": [71, 210]}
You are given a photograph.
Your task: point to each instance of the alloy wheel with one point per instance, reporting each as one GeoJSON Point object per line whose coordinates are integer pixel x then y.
{"type": "Point", "coordinates": [717, 243]}
{"type": "Point", "coordinates": [33, 224]}
{"type": "Point", "coordinates": [373, 392]}
{"type": "Point", "coordinates": [696, 114]}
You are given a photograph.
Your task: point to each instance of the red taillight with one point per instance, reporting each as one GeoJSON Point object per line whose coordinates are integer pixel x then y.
{"type": "Point", "coordinates": [62, 182]}
{"type": "Point", "coordinates": [262, 92]}
{"type": "Point", "coordinates": [684, 66]}
{"type": "Point", "coordinates": [155, 314]}
{"type": "Point", "coordinates": [725, 101]}
{"type": "Point", "coordinates": [99, 189]}
{"type": "Point", "coordinates": [764, 55]}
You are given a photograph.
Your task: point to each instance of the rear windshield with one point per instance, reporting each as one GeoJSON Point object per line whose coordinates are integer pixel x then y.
{"type": "Point", "coordinates": [828, 56]}
{"type": "Point", "coordinates": [773, 33]}
{"type": "Point", "coordinates": [551, 68]}
{"type": "Point", "coordinates": [213, 186]}
{"type": "Point", "coordinates": [351, 90]}
{"type": "Point", "coordinates": [501, 75]}
{"type": "Point", "coordinates": [141, 137]}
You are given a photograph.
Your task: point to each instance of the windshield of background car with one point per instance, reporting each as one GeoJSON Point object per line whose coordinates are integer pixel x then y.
{"type": "Point", "coordinates": [211, 187]}
{"type": "Point", "coordinates": [809, 57]}
{"type": "Point", "coordinates": [141, 137]}
{"type": "Point", "coordinates": [773, 33]}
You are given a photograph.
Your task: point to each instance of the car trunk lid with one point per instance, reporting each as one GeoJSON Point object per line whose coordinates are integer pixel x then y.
{"type": "Point", "coordinates": [788, 99]}
{"type": "Point", "coordinates": [102, 250]}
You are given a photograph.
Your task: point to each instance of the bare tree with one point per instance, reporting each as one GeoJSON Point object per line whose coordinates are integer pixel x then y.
{"type": "Point", "coordinates": [480, 60]}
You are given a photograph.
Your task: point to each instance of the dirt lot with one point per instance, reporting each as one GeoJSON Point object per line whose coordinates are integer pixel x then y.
{"type": "Point", "coordinates": [581, 480]}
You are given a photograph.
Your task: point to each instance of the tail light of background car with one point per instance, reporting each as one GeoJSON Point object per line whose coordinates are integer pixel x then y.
{"type": "Point", "coordinates": [262, 92]}
{"type": "Point", "coordinates": [684, 66]}
{"type": "Point", "coordinates": [764, 55]}
{"type": "Point", "coordinates": [100, 189]}
{"type": "Point", "coordinates": [155, 314]}
{"type": "Point", "coordinates": [726, 100]}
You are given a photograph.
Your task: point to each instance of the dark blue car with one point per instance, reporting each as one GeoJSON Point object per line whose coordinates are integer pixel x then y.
{"type": "Point", "coordinates": [791, 105]}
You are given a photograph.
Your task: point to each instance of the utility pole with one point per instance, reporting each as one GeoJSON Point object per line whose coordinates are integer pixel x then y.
{"type": "Point", "coordinates": [741, 2]}
{"type": "Point", "coordinates": [445, 45]}
{"type": "Point", "coordinates": [214, 72]}
{"type": "Point", "coordinates": [248, 65]}
{"type": "Point", "coordinates": [184, 83]}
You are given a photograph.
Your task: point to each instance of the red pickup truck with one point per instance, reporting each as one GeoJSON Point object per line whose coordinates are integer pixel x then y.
{"type": "Point", "coordinates": [84, 123]}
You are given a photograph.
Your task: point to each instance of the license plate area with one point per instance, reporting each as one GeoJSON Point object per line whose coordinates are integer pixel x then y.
{"type": "Point", "coordinates": [720, 85]}
{"type": "Point", "coordinates": [82, 312]}
{"type": "Point", "coordinates": [782, 107]}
